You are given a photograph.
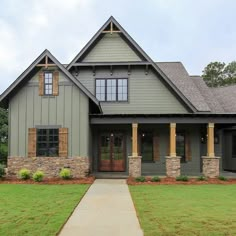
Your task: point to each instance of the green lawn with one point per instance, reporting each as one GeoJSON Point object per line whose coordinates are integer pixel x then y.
{"type": "Point", "coordinates": [36, 209]}
{"type": "Point", "coordinates": [186, 210]}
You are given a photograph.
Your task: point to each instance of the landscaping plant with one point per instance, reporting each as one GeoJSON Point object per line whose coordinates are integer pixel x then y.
{"type": "Point", "coordinates": [65, 173]}
{"type": "Point", "coordinates": [155, 179]}
{"type": "Point", "coordinates": [2, 170]}
{"type": "Point", "coordinates": [24, 174]}
{"type": "Point", "coordinates": [201, 178]}
{"type": "Point", "coordinates": [38, 176]}
{"type": "Point", "coordinates": [222, 178]}
{"type": "Point", "coordinates": [182, 178]}
{"type": "Point", "coordinates": [140, 179]}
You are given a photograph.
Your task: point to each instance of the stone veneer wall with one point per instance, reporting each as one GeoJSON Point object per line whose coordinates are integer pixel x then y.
{"type": "Point", "coordinates": [211, 166]}
{"type": "Point", "coordinates": [51, 166]}
{"type": "Point", "coordinates": [172, 166]}
{"type": "Point", "coordinates": [134, 166]}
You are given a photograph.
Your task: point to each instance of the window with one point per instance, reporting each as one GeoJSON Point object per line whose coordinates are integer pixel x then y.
{"type": "Point", "coordinates": [47, 142]}
{"type": "Point", "coordinates": [180, 146]}
{"type": "Point", "coordinates": [233, 146]}
{"type": "Point", "coordinates": [112, 90]}
{"type": "Point", "coordinates": [48, 80]}
{"type": "Point", "coordinates": [147, 147]}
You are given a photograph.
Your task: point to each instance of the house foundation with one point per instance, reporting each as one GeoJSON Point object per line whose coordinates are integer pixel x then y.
{"type": "Point", "coordinates": [211, 166]}
{"type": "Point", "coordinates": [135, 166]}
{"type": "Point", "coordinates": [173, 166]}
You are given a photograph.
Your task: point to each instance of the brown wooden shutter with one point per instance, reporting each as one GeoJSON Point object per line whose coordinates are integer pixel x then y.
{"type": "Point", "coordinates": [187, 147]}
{"type": "Point", "coordinates": [41, 84]}
{"type": "Point", "coordinates": [156, 155]}
{"type": "Point", "coordinates": [63, 142]}
{"type": "Point", "coordinates": [32, 142]}
{"type": "Point", "coordinates": [55, 89]}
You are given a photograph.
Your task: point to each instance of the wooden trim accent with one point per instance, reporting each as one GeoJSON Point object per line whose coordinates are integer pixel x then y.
{"type": "Point", "coordinates": [55, 89]}
{"type": "Point", "coordinates": [63, 142]}
{"type": "Point", "coordinates": [32, 141]}
{"type": "Point", "coordinates": [210, 140]}
{"type": "Point", "coordinates": [108, 31]}
{"type": "Point", "coordinates": [134, 139]}
{"type": "Point", "coordinates": [172, 151]}
{"type": "Point", "coordinates": [44, 65]}
{"type": "Point", "coordinates": [188, 156]}
{"type": "Point", "coordinates": [156, 151]}
{"type": "Point", "coordinates": [41, 83]}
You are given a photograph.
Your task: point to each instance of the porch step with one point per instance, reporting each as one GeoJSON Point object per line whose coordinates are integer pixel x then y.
{"type": "Point", "coordinates": [110, 175]}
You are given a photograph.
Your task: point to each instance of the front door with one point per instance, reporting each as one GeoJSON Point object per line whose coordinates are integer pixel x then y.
{"type": "Point", "coordinates": [112, 152]}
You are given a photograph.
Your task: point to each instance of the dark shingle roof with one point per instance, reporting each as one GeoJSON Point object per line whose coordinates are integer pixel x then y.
{"type": "Point", "coordinates": [226, 97]}
{"type": "Point", "coordinates": [208, 95]}
{"type": "Point", "coordinates": [176, 72]}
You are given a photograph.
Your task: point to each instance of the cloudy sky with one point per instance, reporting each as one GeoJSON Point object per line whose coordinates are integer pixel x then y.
{"type": "Point", "coordinates": [194, 32]}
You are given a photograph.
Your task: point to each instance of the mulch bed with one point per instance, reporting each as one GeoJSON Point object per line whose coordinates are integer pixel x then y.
{"type": "Point", "coordinates": [172, 181]}
{"type": "Point", "coordinates": [88, 180]}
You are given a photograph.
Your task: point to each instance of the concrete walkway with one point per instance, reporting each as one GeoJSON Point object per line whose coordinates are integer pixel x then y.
{"type": "Point", "coordinates": [106, 209]}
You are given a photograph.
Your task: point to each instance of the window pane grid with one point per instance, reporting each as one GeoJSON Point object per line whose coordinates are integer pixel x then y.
{"type": "Point", "coordinates": [48, 81]}
{"type": "Point", "coordinates": [47, 142]}
{"type": "Point", "coordinates": [112, 89]}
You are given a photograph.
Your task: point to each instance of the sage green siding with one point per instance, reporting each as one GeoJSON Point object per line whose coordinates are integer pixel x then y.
{"type": "Point", "coordinates": [111, 48]}
{"type": "Point", "coordinates": [70, 110]}
{"type": "Point", "coordinates": [147, 94]}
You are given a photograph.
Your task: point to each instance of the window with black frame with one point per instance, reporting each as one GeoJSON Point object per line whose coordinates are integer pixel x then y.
{"type": "Point", "coordinates": [180, 146]}
{"type": "Point", "coordinates": [112, 90]}
{"type": "Point", "coordinates": [47, 142]}
{"type": "Point", "coordinates": [48, 81]}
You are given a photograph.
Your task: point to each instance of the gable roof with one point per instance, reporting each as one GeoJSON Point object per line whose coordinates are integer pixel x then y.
{"type": "Point", "coordinates": [180, 78]}
{"type": "Point", "coordinates": [226, 96]}
{"type": "Point", "coordinates": [170, 83]}
{"type": "Point", "coordinates": [208, 95]}
{"type": "Point", "coordinates": [4, 96]}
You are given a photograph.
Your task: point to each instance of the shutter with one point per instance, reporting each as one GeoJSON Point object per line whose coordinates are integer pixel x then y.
{"type": "Point", "coordinates": [168, 146]}
{"type": "Point", "coordinates": [41, 84]}
{"type": "Point", "coordinates": [32, 142]}
{"type": "Point", "coordinates": [156, 155]}
{"type": "Point", "coordinates": [187, 147]}
{"type": "Point", "coordinates": [55, 83]}
{"type": "Point", "coordinates": [63, 142]}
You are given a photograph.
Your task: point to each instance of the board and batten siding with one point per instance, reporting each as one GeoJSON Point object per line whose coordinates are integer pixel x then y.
{"type": "Point", "coordinates": [69, 109]}
{"type": "Point", "coordinates": [147, 94]}
{"type": "Point", "coordinates": [111, 48]}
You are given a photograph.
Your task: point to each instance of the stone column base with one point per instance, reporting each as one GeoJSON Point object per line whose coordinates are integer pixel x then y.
{"type": "Point", "coordinates": [135, 166]}
{"type": "Point", "coordinates": [172, 166]}
{"type": "Point", "coordinates": [211, 166]}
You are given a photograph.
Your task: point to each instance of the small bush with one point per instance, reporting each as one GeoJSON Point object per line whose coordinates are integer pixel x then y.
{"type": "Point", "coordinates": [38, 176]}
{"type": "Point", "coordinates": [65, 173]}
{"type": "Point", "coordinates": [140, 179]}
{"type": "Point", "coordinates": [155, 179]}
{"type": "Point", "coordinates": [24, 174]}
{"type": "Point", "coordinates": [201, 178]}
{"type": "Point", "coordinates": [222, 178]}
{"type": "Point", "coordinates": [182, 178]}
{"type": "Point", "coordinates": [2, 170]}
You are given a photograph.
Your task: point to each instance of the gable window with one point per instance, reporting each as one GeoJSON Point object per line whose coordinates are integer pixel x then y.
{"type": "Point", "coordinates": [180, 146]}
{"type": "Point", "coordinates": [112, 90]}
{"type": "Point", "coordinates": [48, 83]}
{"type": "Point", "coordinates": [47, 142]}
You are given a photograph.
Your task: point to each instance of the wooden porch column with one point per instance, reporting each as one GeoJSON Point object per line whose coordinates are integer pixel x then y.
{"type": "Point", "coordinates": [210, 140]}
{"type": "Point", "coordinates": [134, 139]}
{"type": "Point", "coordinates": [172, 139]}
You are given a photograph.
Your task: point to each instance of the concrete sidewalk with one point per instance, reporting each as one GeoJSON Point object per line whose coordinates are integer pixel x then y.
{"type": "Point", "coordinates": [106, 209]}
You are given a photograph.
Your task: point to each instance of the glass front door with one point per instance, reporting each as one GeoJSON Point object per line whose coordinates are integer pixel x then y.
{"type": "Point", "coordinates": [112, 152]}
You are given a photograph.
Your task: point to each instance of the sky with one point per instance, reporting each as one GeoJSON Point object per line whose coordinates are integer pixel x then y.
{"type": "Point", "coordinates": [193, 32]}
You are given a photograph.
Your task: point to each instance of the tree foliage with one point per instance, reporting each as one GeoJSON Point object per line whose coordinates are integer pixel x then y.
{"type": "Point", "coordinates": [3, 125]}
{"type": "Point", "coordinates": [218, 74]}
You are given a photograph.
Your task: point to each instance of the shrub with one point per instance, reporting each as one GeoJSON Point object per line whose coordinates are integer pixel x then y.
{"type": "Point", "coordinates": [155, 179]}
{"type": "Point", "coordinates": [201, 178]}
{"type": "Point", "coordinates": [140, 179]}
{"type": "Point", "coordinates": [65, 173]}
{"type": "Point", "coordinates": [2, 170]}
{"type": "Point", "coordinates": [182, 178]}
{"type": "Point", "coordinates": [38, 176]}
{"type": "Point", "coordinates": [222, 178]}
{"type": "Point", "coordinates": [24, 174]}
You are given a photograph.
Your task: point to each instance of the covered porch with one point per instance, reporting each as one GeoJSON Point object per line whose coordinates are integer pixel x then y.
{"type": "Point", "coordinates": [153, 146]}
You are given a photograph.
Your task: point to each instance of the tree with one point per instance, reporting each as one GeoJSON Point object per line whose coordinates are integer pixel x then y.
{"type": "Point", "coordinates": [3, 135]}
{"type": "Point", "coordinates": [219, 74]}
{"type": "Point", "coordinates": [213, 74]}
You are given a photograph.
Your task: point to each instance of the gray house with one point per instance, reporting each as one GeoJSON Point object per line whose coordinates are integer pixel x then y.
{"type": "Point", "coordinates": [114, 110]}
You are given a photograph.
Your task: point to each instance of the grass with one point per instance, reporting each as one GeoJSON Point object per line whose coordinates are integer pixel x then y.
{"type": "Point", "coordinates": [37, 209]}
{"type": "Point", "coordinates": [186, 210]}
